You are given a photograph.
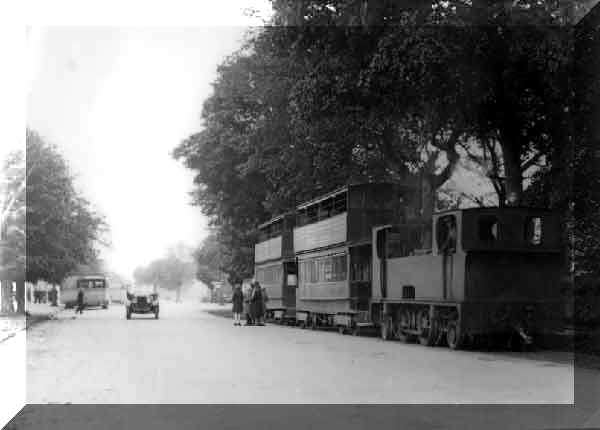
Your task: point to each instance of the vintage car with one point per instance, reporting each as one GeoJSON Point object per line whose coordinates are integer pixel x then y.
{"type": "Point", "coordinates": [141, 300]}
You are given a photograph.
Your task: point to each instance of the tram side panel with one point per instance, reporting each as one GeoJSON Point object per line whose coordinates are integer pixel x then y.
{"type": "Point", "coordinates": [323, 286]}
{"type": "Point", "coordinates": [270, 277]}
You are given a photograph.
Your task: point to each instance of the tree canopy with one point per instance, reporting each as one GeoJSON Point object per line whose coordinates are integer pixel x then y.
{"type": "Point", "coordinates": [353, 91]}
{"type": "Point", "coordinates": [50, 225]}
{"type": "Point", "coordinates": [172, 271]}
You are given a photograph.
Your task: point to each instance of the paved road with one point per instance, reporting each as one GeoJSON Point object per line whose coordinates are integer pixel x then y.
{"type": "Point", "coordinates": [12, 387]}
{"type": "Point", "coordinates": [190, 356]}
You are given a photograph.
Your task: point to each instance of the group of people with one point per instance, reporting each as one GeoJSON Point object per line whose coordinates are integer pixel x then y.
{"type": "Point", "coordinates": [252, 303]}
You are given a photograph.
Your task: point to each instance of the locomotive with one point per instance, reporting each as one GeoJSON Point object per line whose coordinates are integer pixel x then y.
{"type": "Point", "coordinates": [362, 256]}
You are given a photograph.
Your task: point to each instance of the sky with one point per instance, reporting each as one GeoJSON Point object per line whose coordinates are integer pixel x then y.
{"type": "Point", "coordinates": [116, 101]}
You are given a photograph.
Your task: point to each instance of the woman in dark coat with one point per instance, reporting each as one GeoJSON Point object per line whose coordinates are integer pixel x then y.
{"type": "Point", "coordinates": [257, 304]}
{"type": "Point", "coordinates": [237, 301]}
{"type": "Point", "coordinates": [80, 301]}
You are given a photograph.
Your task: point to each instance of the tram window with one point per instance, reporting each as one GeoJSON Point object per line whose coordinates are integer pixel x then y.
{"type": "Point", "coordinates": [381, 243]}
{"type": "Point", "coordinates": [313, 273]}
{"type": "Point", "coordinates": [300, 218]}
{"type": "Point", "coordinates": [312, 214]}
{"type": "Point", "coordinates": [339, 268]}
{"type": "Point", "coordinates": [446, 234]}
{"type": "Point", "coordinates": [339, 204]}
{"type": "Point", "coordinates": [328, 274]}
{"type": "Point", "coordinates": [488, 228]}
{"type": "Point", "coordinates": [325, 208]}
{"type": "Point", "coordinates": [404, 241]}
{"type": "Point", "coordinates": [533, 230]}
{"type": "Point", "coordinates": [275, 229]}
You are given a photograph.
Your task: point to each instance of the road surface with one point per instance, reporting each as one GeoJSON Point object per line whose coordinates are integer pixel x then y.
{"type": "Point", "coordinates": [12, 388]}
{"type": "Point", "coordinates": [190, 356]}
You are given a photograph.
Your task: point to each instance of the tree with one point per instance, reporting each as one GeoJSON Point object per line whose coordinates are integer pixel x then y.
{"type": "Point", "coordinates": [172, 272]}
{"type": "Point", "coordinates": [12, 231]}
{"type": "Point", "coordinates": [208, 257]}
{"type": "Point", "coordinates": [331, 97]}
{"type": "Point", "coordinates": [44, 220]}
{"type": "Point", "coordinates": [62, 229]}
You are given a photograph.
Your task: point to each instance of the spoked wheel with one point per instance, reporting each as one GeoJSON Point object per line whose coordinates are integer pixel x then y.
{"type": "Point", "coordinates": [454, 337]}
{"type": "Point", "coordinates": [386, 329]}
{"type": "Point", "coordinates": [402, 336]}
{"type": "Point", "coordinates": [427, 335]}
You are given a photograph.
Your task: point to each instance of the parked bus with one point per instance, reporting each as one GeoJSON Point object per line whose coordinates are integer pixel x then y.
{"type": "Point", "coordinates": [95, 289]}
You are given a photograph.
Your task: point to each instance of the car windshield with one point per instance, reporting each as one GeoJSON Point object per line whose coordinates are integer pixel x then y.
{"type": "Point", "coordinates": [142, 289]}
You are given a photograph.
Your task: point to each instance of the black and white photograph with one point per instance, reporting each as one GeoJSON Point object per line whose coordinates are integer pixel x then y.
{"type": "Point", "coordinates": [301, 214]}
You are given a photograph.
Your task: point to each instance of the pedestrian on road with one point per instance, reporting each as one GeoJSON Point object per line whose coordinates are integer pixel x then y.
{"type": "Point", "coordinates": [247, 305]}
{"type": "Point", "coordinates": [238, 305]}
{"type": "Point", "coordinates": [265, 299]}
{"type": "Point", "coordinates": [80, 300]}
{"type": "Point", "coordinates": [257, 304]}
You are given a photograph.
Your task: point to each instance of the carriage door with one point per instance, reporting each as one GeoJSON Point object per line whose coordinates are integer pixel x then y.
{"type": "Point", "coordinates": [290, 283]}
{"type": "Point", "coordinates": [446, 241]}
{"type": "Point", "coordinates": [360, 276]}
{"type": "Point", "coordinates": [381, 254]}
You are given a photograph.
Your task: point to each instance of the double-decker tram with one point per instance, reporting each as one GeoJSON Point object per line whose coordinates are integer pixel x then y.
{"type": "Point", "coordinates": [275, 266]}
{"type": "Point", "coordinates": [332, 243]}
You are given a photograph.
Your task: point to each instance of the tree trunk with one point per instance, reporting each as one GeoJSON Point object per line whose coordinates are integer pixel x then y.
{"type": "Point", "coordinates": [54, 296]}
{"type": "Point", "coordinates": [6, 293]}
{"type": "Point", "coordinates": [20, 296]}
{"type": "Point", "coordinates": [514, 177]}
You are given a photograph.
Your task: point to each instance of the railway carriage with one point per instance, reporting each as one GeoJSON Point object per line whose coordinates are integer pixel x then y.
{"type": "Point", "coordinates": [471, 273]}
{"type": "Point", "coordinates": [332, 244]}
{"type": "Point", "coordinates": [275, 266]}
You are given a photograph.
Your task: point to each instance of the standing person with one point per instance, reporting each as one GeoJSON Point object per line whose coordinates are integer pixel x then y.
{"type": "Point", "coordinates": [265, 300]}
{"type": "Point", "coordinates": [237, 300]}
{"type": "Point", "coordinates": [80, 301]}
{"type": "Point", "coordinates": [247, 307]}
{"type": "Point", "coordinates": [257, 304]}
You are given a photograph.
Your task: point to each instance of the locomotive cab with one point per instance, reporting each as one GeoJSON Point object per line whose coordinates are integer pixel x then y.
{"type": "Point", "coordinates": [470, 272]}
{"type": "Point", "coordinates": [513, 269]}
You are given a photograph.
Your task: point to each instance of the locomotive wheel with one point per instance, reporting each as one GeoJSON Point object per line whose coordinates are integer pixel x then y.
{"type": "Point", "coordinates": [386, 329]}
{"type": "Point", "coordinates": [403, 318]}
{"type": "Point", "coordinates": [454, 337]}
{"type": "Point", "coordinates": [427, 335]}
{"type": "Point", "coordinates": [427, 338]}
{"type": "Point", "coordinates": [402, 336]}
